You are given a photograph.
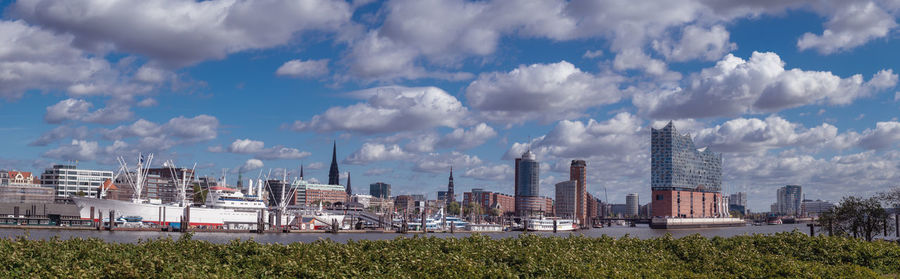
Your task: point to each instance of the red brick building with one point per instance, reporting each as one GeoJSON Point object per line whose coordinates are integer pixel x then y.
{"type": "Point", "coordinates": [490, 200]}
{"type": "Point", "coordinates": [685, 203]}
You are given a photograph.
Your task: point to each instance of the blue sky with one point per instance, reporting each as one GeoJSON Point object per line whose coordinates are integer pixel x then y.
{"type": "Point", "coordinates": [791, 92]}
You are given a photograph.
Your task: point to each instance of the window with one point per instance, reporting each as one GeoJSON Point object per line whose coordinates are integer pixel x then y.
{"type": "Point", "coordinates": [659, 197]}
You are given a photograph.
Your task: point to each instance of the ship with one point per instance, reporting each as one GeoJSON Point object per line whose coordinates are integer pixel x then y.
{"type": "Point", "coordinates": [547, 225]}
{"type": "Point", "coordinates": [224, 207]}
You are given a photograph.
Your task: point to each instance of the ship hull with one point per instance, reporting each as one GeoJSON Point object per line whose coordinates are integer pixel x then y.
{"type": "Point", "coordinates": [166, 214]}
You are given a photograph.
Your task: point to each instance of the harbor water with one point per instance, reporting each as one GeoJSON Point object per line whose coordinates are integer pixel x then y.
{"type": "Point", "coordinates": [641, 231]}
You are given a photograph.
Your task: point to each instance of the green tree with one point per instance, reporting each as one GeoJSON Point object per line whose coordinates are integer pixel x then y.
{"type": "Point", "coordinates": [199, 194]}
{"type": "Point", "coordinates": [453, 208]}
{"type": "Point", "coordinates": [856, 217]}
{"type": "Point", "coordinates": [81, 193]}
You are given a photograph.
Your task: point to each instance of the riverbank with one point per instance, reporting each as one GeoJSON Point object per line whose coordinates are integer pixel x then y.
{"type": "Point", "coordinates": [794, 255]}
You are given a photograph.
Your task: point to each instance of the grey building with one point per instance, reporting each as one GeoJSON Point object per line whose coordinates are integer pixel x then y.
{"type": "Point", "coordinates": [528, 180]}
{"type": "Point", "coordinates": [813, 208]}
{"type": "Point", "coordinates": [380, 190]}
{"type": "Point", "coordinates": [566, 199]}
{"type": "Point", "coordinates": [633, 206]}
{"type": "Point", "coordinates": [789, 200]}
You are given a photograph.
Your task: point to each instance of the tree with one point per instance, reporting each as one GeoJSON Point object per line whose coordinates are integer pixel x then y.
{"type": "Point", "coordinates": [453, 208]}
{"type": "Point", "coordinates": [856, 217]}
{"type": "Point", "coordinates": [81, 193]}
{"type": "Point", "coordinates": [199, 194]}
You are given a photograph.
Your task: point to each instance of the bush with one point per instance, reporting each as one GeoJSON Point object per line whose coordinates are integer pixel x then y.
{"type": "Point", "coordinates": [780, 255]}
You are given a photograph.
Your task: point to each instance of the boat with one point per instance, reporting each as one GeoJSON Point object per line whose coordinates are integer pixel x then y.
{"type": "Point", "coordinates": [774, 220]}
{"type": "Point", "coordinates": [224, 207]}
{"type": "Point", "coordinates": [548, 224]}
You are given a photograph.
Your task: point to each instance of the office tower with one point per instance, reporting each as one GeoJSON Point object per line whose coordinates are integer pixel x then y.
{"type": "Point", "coordinates": [528, 199]}
{"type": "Point", "coordinates": [566, 199]}
{"type": "Point", "coordinates": [577, 174]}
{"type": "Point", "coordinates": [632, 203]}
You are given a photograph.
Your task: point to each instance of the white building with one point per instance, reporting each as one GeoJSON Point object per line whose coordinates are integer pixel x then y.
{"type": "Point", "coordinates": [69, 180]}
{"type": "Point", "coordinates": [364, 200]}
{"type": "Point", "coordinates": [21, 187]}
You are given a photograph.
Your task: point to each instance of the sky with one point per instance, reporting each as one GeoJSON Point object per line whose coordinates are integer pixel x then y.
{"type": "Point", "coordinates": [789, 91]}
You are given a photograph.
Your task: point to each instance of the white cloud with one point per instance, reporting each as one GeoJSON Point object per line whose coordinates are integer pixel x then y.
{"type": "Point", "coordinates": [184, 32]}
{"type": "Point", "coordinates": [635, 59]}
{"type": "Point", "coordinates": [378, 171]}
{"type": "Point", "coordinates": [80, 110]}
{"type": "Point", "coordinates": [283, 153]}
{"type": "Point", "coordinates": [303, 69]}
{"type": "Point", "coordinates": [155, 137]}
{"type": "Point", "coordinates": [251, 164]}
{"type": "Point", "coordinates": [390, 109]}
{"type": "Point", "coordinates": [33, 58]}
{"type": "Point", "coordinates": [441, 163]}
{"type": "Point", "coordinates": [541, 91]}
{"type": "Point", "coordinates": [61, 132]}
{"type": "Point", "coordinates": [151, 74]}
{"type": "Point", "coordinates": [896, 96]}
{"type": "Point", "coordinates": [619, 136]}
{"type": "Point", "coordinates": [490, 172]}
{"type": "Point", "coordinates": [466, 139]}
{"type": "Point", "coordinates": [372, 152]}
{"type": "Point", "coordinates": [592, 53]}
{"type": "Point", "coordinates": [245, 146]}
{"type": "Point", "coordinates": [147, 102]}
{"type": "Point", "coordinates": [85, 150]}
{"type": "Point", "coordinates": [736, 86]}
{"type": "Point", "coordinates": [316, 166]}
{"type": "Point", "coordinates": [850, 26]}
{"type": "Point", "coordinates": [885, 135]}
{"type": "Point", "coordinates": [696, 43]}
{"type": "Point", "coordinates": [756, 135]}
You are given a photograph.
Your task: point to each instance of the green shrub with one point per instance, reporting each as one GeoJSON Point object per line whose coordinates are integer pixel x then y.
{"type": "Point", "coordinates": [793, 255]}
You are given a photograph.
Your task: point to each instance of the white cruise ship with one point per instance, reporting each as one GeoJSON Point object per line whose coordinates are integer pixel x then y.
{"type": "Point", "coordinates": [546, 225]}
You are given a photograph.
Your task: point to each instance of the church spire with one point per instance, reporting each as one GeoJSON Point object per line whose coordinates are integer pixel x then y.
{"type": "Point", "coordinates": [301, 171]}
{"type": "Point", "coordinates": [450, 196]}
{"type": "Point", "coordinates": [349, 190]}
{"type": "Point", "coordinates": [334, 174]}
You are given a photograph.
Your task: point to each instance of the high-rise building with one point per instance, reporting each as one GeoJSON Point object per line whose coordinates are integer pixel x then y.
{"type": "Point", "coordinates": [451, 197]}
{"type": "Point", "coordinates": [789, 200]}
{"type": "Point", "coordinates": [334, 175]}
{"type": "Point", "coordinates": [68, 180]}
{"type": "Point", "coordinates": [577, 174]}
{"type": "Point", "coordinates": [632, 205]}
{"type": "Point", "coordinates": [685, 180]}
{"type": "Point", "coordinates": [566, 199]}
{"type": "Point", "coordinates": [739, 198]}
{"type": "Point", "coordinates": [813, 208]}
{"type": "Point", "coordinates": [528, 181]}
{"type": "Point", "coordinates": [380, 190]}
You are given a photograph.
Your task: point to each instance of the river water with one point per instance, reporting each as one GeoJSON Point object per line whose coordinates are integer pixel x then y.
{"type": "Point", "coordinates": [641, 231]}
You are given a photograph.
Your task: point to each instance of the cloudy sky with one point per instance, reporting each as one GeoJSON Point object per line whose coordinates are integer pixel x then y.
{"type": "Point", "coordinates": [791, 91]}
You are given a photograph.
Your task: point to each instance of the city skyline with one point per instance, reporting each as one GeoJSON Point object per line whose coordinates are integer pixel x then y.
{"type": "Point", "coordinates": [789, 94]}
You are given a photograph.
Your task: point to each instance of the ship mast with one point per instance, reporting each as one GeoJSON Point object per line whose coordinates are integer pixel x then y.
{"type": "Point", "coordinates": [181, 185]}
{"type": "Point", "coordinates": [140, 175]}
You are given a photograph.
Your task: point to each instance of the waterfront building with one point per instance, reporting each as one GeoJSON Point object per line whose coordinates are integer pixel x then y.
{"type": "Point", "coordinates": [490, 200]}
{"type": "Point", "coordinates": [380, 190]}
{"type": "Point", "coordinates": [646, 210]}
{"type": "Point", "coordinates": [577, 173]}
{"type": "Point", "coordinates": [312, 193]}
{"type": "Point", "coordinates": [547, 206]}
{"type": "Point", "coordinates": [789, 200]}
{"type": "Point", "coordinates": [167, 191]}
{"type": "Point", "coordinates": [593, 209]}
{"type": "Point", "coordinates": [68, 180]}
{"type": "Point", "coordinates": [815, 208]}
{"type": "Point", "coordinates": [632, 203]}
{"type": "Point", "coordinates": [22, 187]}
{"type": "Point", "coordinates": [155, 187]}
{"type": "Point", "coordinates": [334, 175]}
{"type": "Point", "coordinates": [527, 186]}
{"type": "Point", "coordinates": [566, 199]}
{"type": "Point", "coordinates": [685, 181]}
{"type": "Point", "coordinates": [618, 210]}
{"type": "Point", "coordinates": [450, 196]}
{"type": "Point", "coordinates": [739, 198]}
{"type": "Point", "coordinates": [279, 190]}
{"type": "Point", "coordinates": [404, 204]}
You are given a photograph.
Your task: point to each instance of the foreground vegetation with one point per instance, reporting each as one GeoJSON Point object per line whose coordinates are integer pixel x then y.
{"type": "Point", "coordinates": [781, 255]}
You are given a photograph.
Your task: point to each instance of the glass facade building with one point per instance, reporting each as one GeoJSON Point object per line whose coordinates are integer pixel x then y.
{"type": "Point", "coordinates": [677, 164]}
